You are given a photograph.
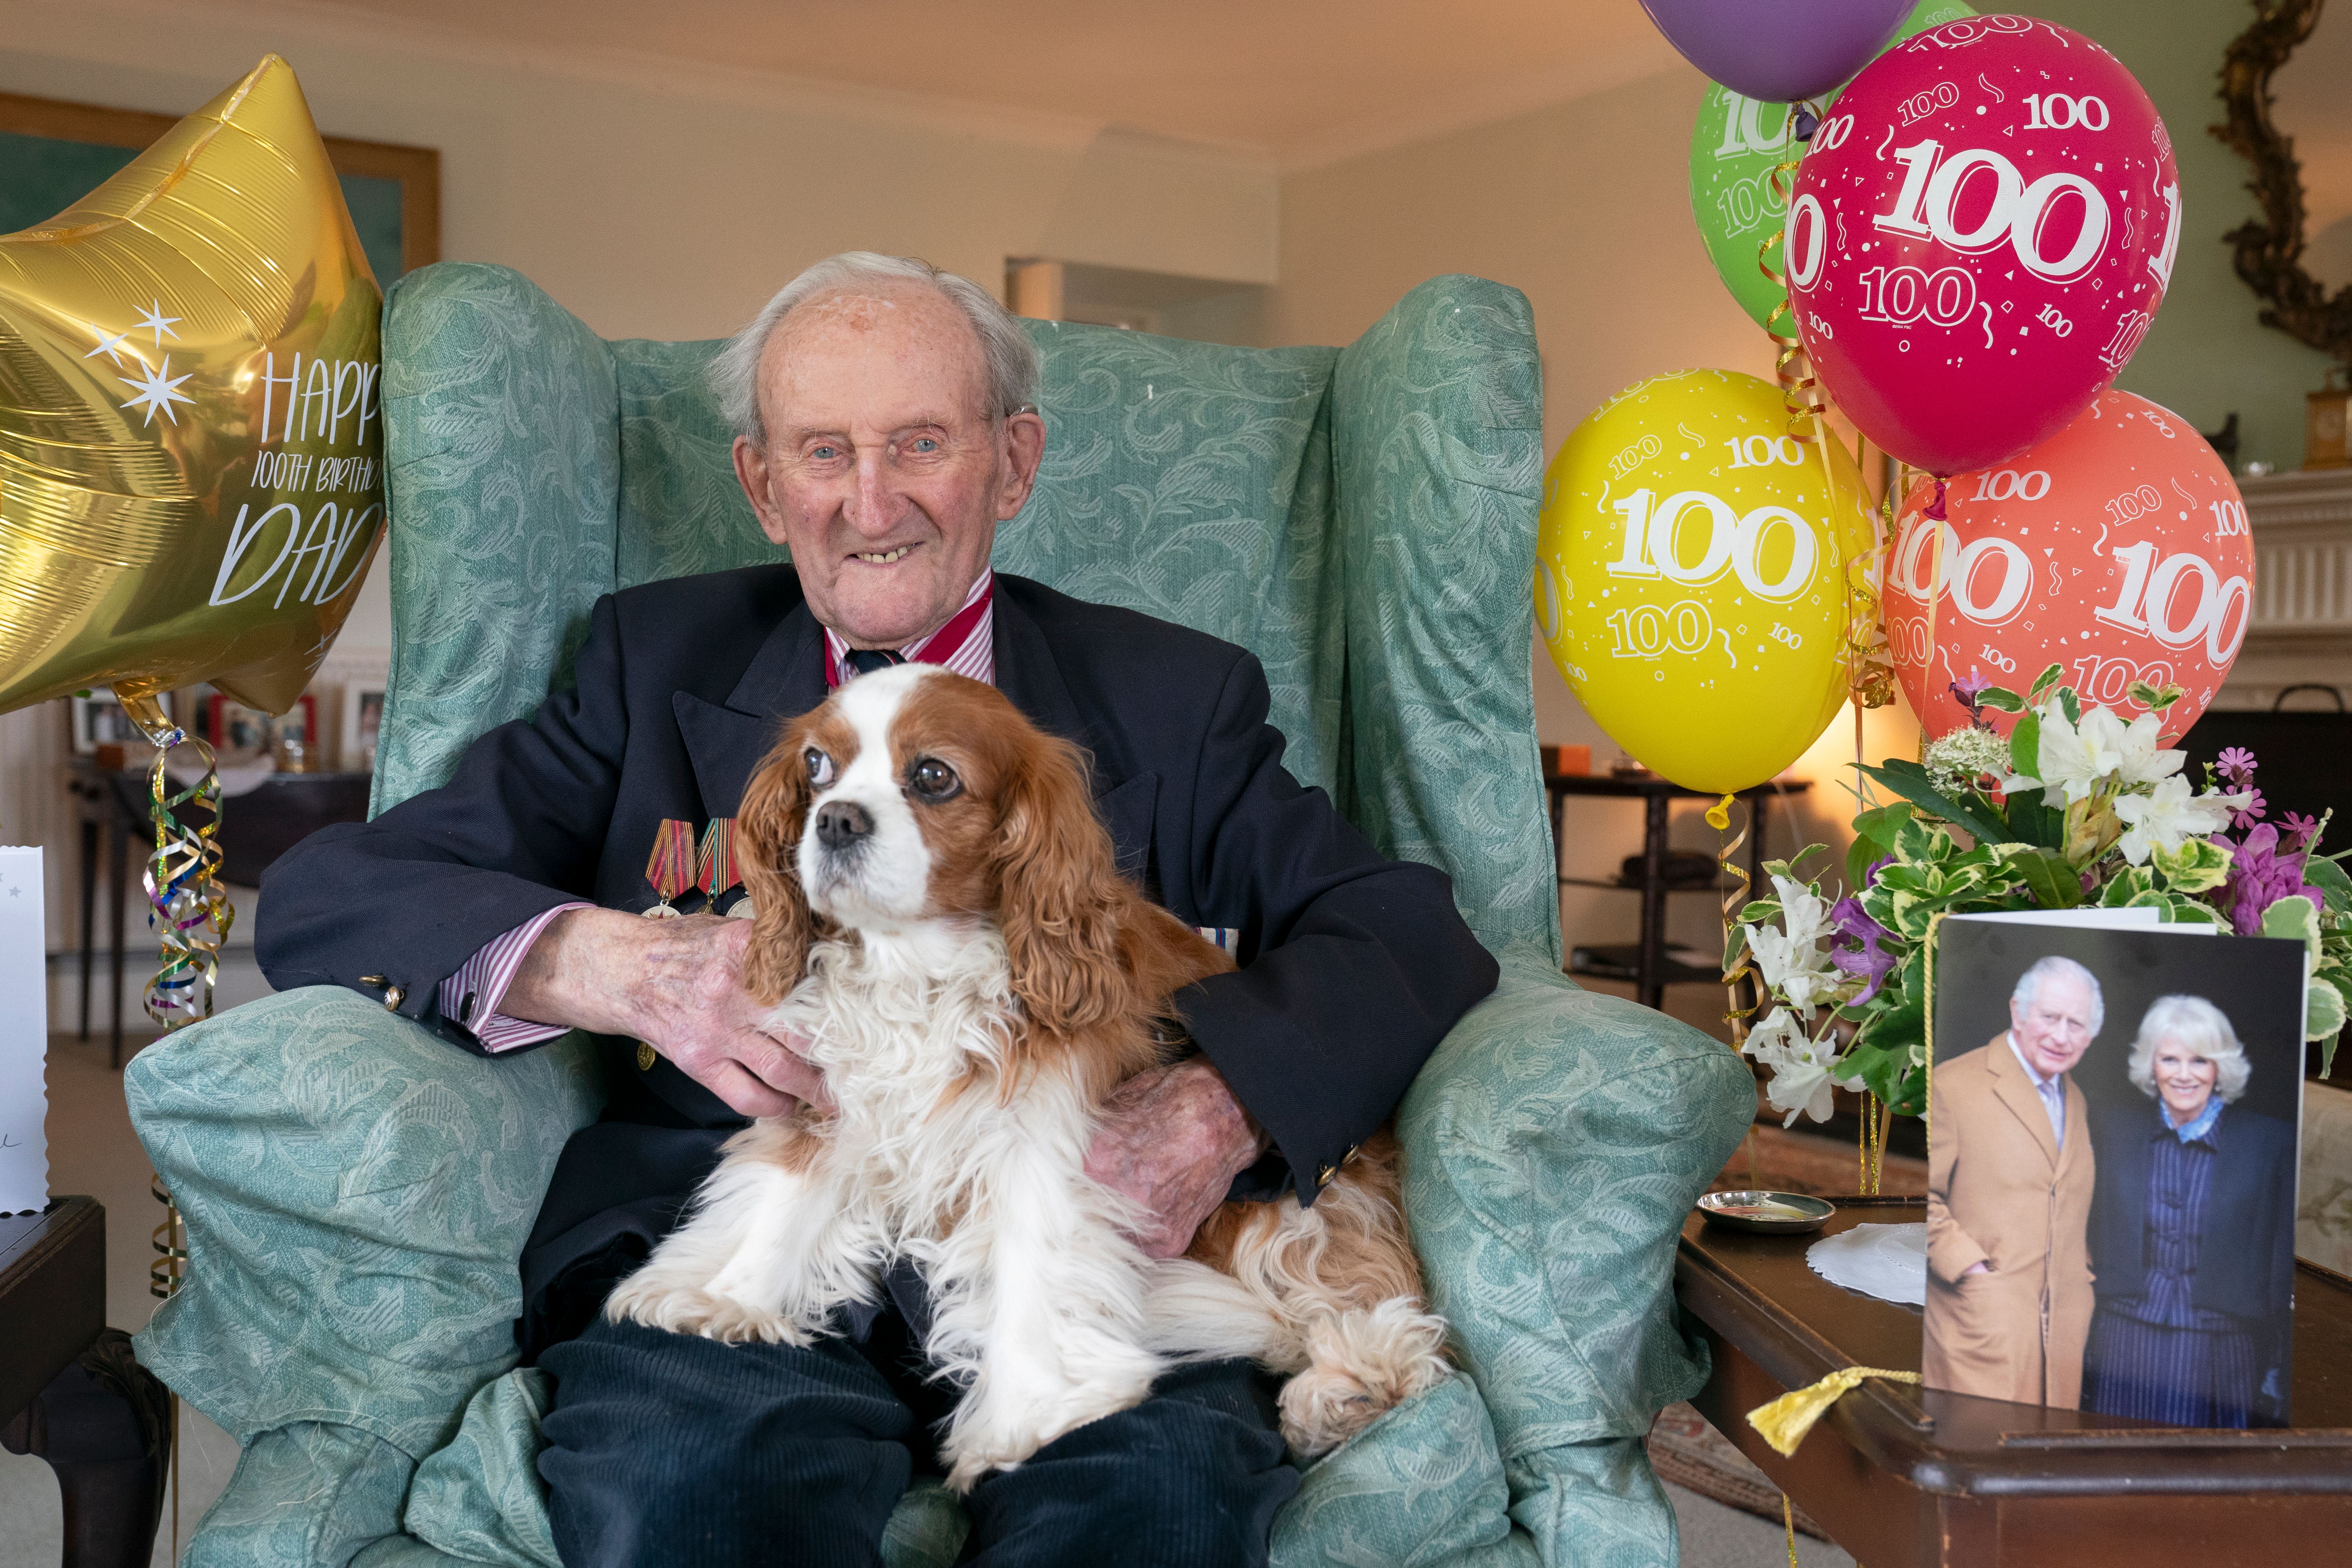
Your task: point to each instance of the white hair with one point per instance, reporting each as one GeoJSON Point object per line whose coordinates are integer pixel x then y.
{"type": "Point", "coordinates": [1009, 357]}
{"type": "Point", "coordinates": [2030, 985]}
{"type": "Point", "coordinates": [2193, 1022]}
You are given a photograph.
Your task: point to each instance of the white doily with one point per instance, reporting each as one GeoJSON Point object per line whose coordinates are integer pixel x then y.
{"type": "Point", "coordinates": [1888, 1262]}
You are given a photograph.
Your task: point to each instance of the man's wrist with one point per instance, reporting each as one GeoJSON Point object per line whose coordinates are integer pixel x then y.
{"type": "Point", "coordinates": [579, 974]}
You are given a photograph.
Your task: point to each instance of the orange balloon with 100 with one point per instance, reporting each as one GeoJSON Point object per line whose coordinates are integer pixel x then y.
{"type": "Point", "coordinates": [1691, 577]}
{"type": "Point", "coordinates": [2117, 550]}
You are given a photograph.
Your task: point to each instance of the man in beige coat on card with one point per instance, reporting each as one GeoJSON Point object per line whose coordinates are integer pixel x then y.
{"type": "Point", "coordinates": [2009, 1200]}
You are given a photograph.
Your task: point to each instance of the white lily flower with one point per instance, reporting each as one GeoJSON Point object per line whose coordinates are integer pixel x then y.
{"type": "Point", "coordinates": [2145, 759]}
{"type": "Point", "coordinates": [1802, 1080]}
{"type": "Point", "coordinates": [2161, 820]}
{"type": "Point", "coordinates": [1790, 955]}
{"type": "Point", "coordinates": [2074, 759]}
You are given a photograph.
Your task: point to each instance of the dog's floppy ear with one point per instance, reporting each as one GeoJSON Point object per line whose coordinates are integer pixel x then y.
{"type": "Point", "coordinates": [1059, 897]}
{"type": "Point", "coordinates": [768, 828]}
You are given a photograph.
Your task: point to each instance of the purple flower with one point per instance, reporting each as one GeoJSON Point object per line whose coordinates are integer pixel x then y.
{"type": "Point", "coordinates": [2237, 764]}
{"type": "Point", "coordinates": [2251, 813]}
{"type": "Point", "coordinates": [1969, 693]}
{"type": "Point", "coordinates": [2304, 828]}
{"type": "Point", "coordinates": [1867, 958]}
{"type": "Point", "coordinates": [2261, 874]}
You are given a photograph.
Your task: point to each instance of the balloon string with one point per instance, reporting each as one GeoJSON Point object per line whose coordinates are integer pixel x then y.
{"type": "Point", "coordinates": [189, 911]}
{"type": "Point", "coordinates": [1790, 367]}
{"type": "Point", "coordinates": [1735, 898]}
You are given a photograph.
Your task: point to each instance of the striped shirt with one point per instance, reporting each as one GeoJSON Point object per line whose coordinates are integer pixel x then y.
{"type": "Point", "coordinates": [966, 645]}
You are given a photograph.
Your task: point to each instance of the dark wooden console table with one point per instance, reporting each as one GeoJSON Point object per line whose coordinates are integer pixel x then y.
{"type": "Point", "coordinates": [71, 1392]}
{"type": "Point", "coordinates": [1652, 970]}
{"type": "Point", "coordinates": [262, 823]}
{"type": "Point", "coordinates": [1900, 1475]}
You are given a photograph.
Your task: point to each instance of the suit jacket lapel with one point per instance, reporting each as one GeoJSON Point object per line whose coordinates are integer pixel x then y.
{"type": "Point", "coordinates": [727, 743]}
{"type": "Point", "coordinates": [2012, 1088]}
{"type": "Point", "coordinates": [1027, 672]}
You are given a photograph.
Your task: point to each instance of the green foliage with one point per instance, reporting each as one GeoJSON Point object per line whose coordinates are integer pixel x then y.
{"type": "Point", "coordinates": [2054, 884]}
{"type": "Point", "coordinates": [2199, 866]}
{"type": "Point", "coordinates": [2001, 698]}
{"type": "Point", "coordinates": [2043, 683]}
{"type": "Point", "coordinates": [1910, 781]}
{"type": "Point", "coordinates": [2155, 698]}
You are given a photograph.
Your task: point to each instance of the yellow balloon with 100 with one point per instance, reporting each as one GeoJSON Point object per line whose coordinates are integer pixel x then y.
{"type": "Point", "coordinates": [1694, 570]}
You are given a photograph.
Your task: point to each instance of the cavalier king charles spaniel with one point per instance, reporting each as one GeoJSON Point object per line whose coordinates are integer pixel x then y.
{"type": "Point", "coordinates": [940, 920]}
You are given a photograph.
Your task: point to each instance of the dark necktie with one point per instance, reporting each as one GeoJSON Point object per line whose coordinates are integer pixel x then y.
{"type": "Point", "coordinates": [866, 661]}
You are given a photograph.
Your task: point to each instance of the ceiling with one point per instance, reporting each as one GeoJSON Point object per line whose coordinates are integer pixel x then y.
{"type": "Point", "coordinates": [1300, 82]}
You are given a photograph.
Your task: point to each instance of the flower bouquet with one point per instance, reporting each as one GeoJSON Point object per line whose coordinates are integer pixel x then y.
{"type": "Point", "coordinates": [2076, 808]}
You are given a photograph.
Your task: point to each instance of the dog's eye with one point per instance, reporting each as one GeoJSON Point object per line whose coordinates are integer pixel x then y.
{"type": "Point", "coordinates": [820, 766]}
{"type": "Point", "coordinates": [933, 779]}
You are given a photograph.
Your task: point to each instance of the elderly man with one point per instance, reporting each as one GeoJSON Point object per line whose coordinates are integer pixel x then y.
{"type": "Point", "coordinates": [886, 425]}
{"type": "Point", "coordinates": [2010, 1181]}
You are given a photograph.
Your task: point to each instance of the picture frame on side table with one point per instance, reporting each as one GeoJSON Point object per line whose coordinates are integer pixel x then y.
{"type": "Point", "coordinates": [97, 720]}
{"type": "Point", "coordinates": [363, 718]}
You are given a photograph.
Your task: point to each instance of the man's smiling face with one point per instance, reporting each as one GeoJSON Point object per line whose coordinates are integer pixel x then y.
{"type": "Point", "coordinates": [886, 468]}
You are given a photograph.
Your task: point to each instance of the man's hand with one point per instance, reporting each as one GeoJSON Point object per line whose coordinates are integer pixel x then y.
{"type": "Point", "coordinates": [676, 984]}
{"type": "Point", "coordinates": [1173, 1141]}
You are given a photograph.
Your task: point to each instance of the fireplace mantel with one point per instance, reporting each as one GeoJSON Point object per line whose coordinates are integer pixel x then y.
{"type": "Point", "coordinates": [2301, 630]}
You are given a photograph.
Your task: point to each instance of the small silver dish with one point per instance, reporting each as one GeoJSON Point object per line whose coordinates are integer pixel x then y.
{"type": "Point", "coordinates": [1771, 1213]}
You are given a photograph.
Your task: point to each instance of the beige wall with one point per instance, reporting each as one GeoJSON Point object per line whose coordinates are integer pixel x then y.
{"type": "Point", "coordinates": [651, 200]}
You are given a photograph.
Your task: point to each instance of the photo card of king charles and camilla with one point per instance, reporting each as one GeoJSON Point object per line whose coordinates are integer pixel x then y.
{"type": "Point", "coordinates": [2113, 1113]}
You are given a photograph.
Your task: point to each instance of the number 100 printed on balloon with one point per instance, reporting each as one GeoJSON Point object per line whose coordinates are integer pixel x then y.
{"type": "Point", "coordinates": [1691, 577]}
{"type": "Point", "coordinates": [1979, 236]}
{"type": "Point", "coordinates": [2117, 549]}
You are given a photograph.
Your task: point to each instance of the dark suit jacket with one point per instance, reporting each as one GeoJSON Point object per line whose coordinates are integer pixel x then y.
{"type": "Point", "coordinates": [2245, 1259]}
{"type": "Point", "coordinates": [1353, 967]}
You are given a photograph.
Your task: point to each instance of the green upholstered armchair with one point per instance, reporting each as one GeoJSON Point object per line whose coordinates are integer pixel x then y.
{"type": "Point", "coordinates": [1363, 519]}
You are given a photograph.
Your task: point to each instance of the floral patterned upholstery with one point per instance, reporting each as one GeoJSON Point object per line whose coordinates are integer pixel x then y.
{"type": "Point", "coordinates": [1363, 520]}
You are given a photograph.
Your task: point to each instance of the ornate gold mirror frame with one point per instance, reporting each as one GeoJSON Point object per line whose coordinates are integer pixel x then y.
{"type": "Point", "coordinates": [2269, 250]}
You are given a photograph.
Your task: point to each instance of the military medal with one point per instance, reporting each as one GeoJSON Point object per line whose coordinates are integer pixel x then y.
{"type": "Point", "coordinates": [715, 873]}
{"type": "Point", "coordinates": [670, 869]}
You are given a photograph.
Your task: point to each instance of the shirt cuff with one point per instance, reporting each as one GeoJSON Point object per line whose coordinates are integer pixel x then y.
{"type": "Point", "coordinates": [470, 998]}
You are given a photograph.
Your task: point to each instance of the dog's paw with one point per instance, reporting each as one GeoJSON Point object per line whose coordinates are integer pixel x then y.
{"type": "Point", "coordinates": [972, 1468]}
{"type": "Point", "coordinates": [1360, 1366]}
{"type": "Point", "coordinates": [688, 1309]}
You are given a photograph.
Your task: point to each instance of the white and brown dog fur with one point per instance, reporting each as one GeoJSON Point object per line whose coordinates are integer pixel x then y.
{"type": "Point", "coordinates": [940, 920]}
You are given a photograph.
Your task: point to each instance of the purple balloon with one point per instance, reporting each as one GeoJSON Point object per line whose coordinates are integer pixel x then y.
{"type": "Point", "coordinates": [1779, 50]}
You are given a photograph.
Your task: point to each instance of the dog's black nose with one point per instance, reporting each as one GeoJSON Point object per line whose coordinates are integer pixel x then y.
{"type": "Point", "coordinates": [841, 822]}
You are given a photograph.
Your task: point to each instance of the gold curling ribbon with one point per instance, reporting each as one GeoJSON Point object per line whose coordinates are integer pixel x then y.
{"type": "Point", "coordinates": [191, 915]}
{"type": "Point", "coordinates": [1784, 1421]}
{"type": "Point", "coordinates": [1718, 816]}
{"type": "Point", "coordinates": [188, 910]}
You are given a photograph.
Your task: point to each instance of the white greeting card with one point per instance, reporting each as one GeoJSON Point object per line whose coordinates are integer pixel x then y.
{"type": "Point", "coordinates": [24, 1035]}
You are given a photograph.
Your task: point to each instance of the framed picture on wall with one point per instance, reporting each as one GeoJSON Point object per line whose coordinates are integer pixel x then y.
{"type": "Point", "coordinates": [54, 152]}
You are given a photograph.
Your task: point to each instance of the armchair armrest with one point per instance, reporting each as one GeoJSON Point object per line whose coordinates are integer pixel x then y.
{"type": "Point", "coordinates": [1553, 1146]}
{"type": "Point", "coordinates": [356, 1195]}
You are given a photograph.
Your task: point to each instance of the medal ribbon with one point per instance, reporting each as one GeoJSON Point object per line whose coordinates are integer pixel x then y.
{"type": "Point", "coordinates": [670, 867]}
{"type": "Point", "coordinates": [717, 858]}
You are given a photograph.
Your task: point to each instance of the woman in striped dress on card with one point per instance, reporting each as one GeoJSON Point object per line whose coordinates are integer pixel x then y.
{"type": "Point", "coordinates": [2193, 1235]}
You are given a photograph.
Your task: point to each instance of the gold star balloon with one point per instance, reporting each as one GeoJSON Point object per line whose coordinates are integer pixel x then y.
{"type": "Point", "coordinates": [191, 441]}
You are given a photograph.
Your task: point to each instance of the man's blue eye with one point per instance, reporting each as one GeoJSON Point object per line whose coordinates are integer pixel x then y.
{"type": "Point", "coordinates": [823, 454]}
{"type": "Point", "coordinates": [926, 444]}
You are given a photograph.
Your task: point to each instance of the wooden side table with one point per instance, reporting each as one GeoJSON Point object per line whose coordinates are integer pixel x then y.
{"type": "Point", "coordinates": [70, 1390]}
{"type": "Point", "coordinates": [1652, 969]}
{"type": "Point", "coordinates": [1900, 1475]}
